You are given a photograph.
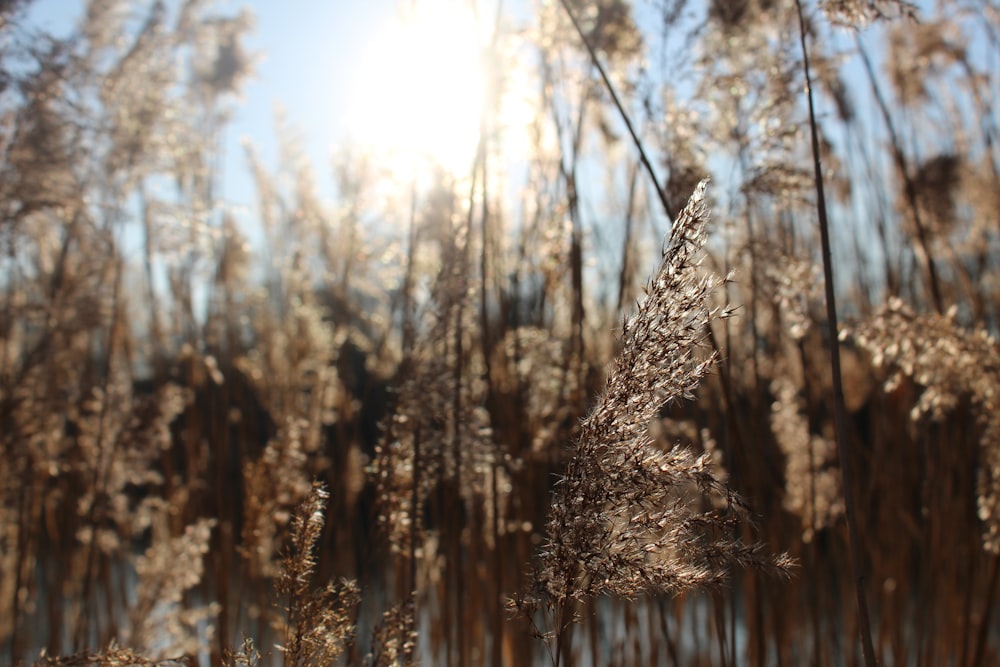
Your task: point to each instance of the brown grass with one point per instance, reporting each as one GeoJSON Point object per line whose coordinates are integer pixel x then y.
{"type": "Point", "coordinates": [447, 397]}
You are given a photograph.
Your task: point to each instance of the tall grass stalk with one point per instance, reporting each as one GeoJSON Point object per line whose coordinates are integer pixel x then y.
{"type": "Point", "coordinates": [840, 411]}
{"type": "Point", "coordinates": [629, 518]}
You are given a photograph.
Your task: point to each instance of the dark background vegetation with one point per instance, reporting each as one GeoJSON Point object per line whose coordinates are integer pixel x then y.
{"type": "Point", "coordinates": [169, 393]}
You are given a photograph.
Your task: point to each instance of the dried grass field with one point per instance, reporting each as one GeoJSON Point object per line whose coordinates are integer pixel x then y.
{"type": "Point", "coordinates": [704, 372]}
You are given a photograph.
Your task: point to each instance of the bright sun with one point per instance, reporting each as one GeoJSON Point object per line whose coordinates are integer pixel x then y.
{"type": "Point", "coordinates": [420, 87]}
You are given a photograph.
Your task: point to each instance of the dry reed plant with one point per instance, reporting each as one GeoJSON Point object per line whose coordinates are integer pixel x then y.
{"type": "Point", "coordinates": [393, 639]}
{"type": "Point", "coordinates": [170, 387]}
{"type": "Point", "coordinates": [113, 656]}
{"type": "Point", "coordinates": [317, 623]}
{"type": "Point", "coordinates": [628, 518]}
{"type": "Point", "coordinates": [813, 486]}
{"type": "Point", "coordinates": [435, 466]}
{"type": "Point", "coordinates": [949, 365]}
{"type": "Point", "coordinates": [162, 622]}
{"type": "Point", "coordinates": [529, 368]}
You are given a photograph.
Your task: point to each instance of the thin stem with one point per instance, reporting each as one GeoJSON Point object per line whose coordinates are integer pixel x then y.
{"type": "Point", "coordinates": [660, 192]}
{"type": "Point", "coordinates": [840, 412]}
{"type": "Point", "coordinates": [984, 622]}
{"type": "Point", "coordinates": [909, 187]}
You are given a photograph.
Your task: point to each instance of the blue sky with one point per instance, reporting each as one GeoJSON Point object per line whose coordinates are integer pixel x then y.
{"type": "Point", "coordinates": [308, 54]}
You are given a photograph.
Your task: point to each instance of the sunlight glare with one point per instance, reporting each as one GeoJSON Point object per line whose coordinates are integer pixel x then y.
{"type": "Point", "coordinates": [419, 89]}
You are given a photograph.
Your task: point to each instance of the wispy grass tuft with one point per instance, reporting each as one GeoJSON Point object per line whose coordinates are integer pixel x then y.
{"type": "Point", "coordinates": [319, 623]}
{"type": "Point", "coordinates": [629, 518]}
